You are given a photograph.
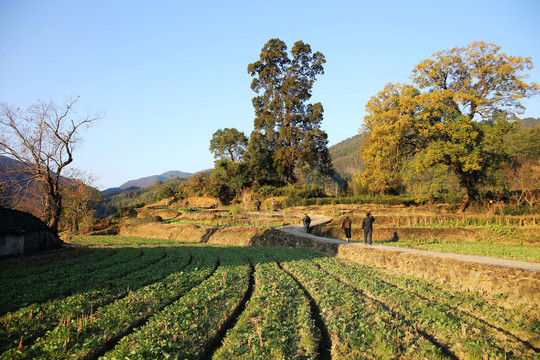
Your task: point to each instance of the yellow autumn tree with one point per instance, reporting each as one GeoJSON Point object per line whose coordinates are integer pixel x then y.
{"type": "Point", "coordinates": [464, 100]}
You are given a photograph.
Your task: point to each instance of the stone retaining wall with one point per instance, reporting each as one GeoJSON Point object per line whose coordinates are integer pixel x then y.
{"type": "Point", "coordinates": [518, 286]}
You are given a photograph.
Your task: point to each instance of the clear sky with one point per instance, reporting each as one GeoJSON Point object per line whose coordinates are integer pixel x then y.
{"type": "Point", "coordinates": [168, 74]}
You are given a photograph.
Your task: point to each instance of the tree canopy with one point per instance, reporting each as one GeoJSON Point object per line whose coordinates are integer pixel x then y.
{"type": "Point", "coordinates": [228, 143]}
{"type": "Point", "coordinates": [465, 102]}
{"type": "Point", "coordinates": [289, 125]}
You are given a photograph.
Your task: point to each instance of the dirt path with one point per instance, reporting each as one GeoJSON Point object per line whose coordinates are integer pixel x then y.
{"type": "Point", "coordinates": [299, 230]}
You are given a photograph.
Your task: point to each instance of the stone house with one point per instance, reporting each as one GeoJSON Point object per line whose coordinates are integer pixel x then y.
{"type": "Point", "coordinates": [23, 233]}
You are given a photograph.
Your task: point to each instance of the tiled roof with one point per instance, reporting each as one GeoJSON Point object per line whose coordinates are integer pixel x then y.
{"type": "Point", "coordinates": [18, 222]}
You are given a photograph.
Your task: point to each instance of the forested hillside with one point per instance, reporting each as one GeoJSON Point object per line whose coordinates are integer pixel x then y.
{"type": "Point", "coordinates": [346, 156]}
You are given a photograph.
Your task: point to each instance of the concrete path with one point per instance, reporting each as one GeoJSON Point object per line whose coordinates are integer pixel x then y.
{"type": "Point", "coordinates": [299, 230]}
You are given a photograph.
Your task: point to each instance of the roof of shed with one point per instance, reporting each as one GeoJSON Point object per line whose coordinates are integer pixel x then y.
{"type": "Point", "coordinates": [18, 222]}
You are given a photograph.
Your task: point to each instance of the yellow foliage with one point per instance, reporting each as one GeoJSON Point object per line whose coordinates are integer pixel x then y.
{"type": "Point", "coordinates": [461, 86]}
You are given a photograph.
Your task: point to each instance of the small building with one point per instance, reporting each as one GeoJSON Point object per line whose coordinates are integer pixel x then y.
{"type": "Point", "coordinates": [23, 233]}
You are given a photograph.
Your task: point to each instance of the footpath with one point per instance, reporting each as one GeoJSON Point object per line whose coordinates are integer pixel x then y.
{"type": "Point", "coordinates": [518, 282]}
{"type": "Point", "coordinates": [299, 230]}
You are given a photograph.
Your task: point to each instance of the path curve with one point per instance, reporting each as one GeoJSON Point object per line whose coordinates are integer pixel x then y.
{"type": "Point", "coordinates": [299, 230]}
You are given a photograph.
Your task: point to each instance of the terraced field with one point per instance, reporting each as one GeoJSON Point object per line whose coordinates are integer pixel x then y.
{"type": "Point", "coordinates": [133, 298]}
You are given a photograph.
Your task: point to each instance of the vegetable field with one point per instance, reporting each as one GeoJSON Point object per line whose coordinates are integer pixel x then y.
{"type": "Point", "coordinates": [134, 298]}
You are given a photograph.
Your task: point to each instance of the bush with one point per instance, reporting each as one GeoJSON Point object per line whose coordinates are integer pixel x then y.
{"type": "Point", "coordinates": [269, 191]}
{"type": "Point", "coordinates": [518, 210]}
{"type": "Point", "coordinates": [364, 199]}
{"type": "Point", "coordinates": [304, 192]}
{"type": "Point", "coordinates": [164, 193]}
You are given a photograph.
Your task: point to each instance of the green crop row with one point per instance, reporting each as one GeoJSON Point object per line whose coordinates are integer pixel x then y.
{"type": "Point", "coordinates": [66, 259]}
{"type": "Point", "coordinates": [66, 280]}
{"type": "Point", "coordinates": [22, 327]}
{"type": "Point", "coordinates": [465, 335]}
{"type": "Point", "coordinates": [85, 335]}
{"type": "Point", "coordinates": [187, 328]}
{"type": "Point", "coordinates": [116, 242]}
{"type": "Point", "coordinates": [276, 323]}
{"type": "Point", "coordinates": [359, 327]}
{"type": "Point", "coordinates": [177, 301]}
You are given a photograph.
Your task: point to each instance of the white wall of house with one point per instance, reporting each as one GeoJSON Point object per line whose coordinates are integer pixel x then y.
{"type": "Point", "coordinates": [11, 244]}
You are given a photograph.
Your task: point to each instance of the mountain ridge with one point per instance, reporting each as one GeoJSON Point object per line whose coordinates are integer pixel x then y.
{"type": "Point", "coordinates": [149, 180]}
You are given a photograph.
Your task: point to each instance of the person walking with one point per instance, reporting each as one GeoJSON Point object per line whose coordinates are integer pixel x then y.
{"type": "Point", "coordinates": [306, 221]}
{"type": "Point", "coordinates": [367, 227]}
{"type": "Point", "coordinates": [346, 225]}
{"type": "Point", "coordinates": [258, 204]}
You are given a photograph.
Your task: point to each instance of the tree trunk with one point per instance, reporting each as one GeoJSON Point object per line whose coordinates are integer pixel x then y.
{"type": "Point", "coordinates": [465, 203]}
{"type": "Point", "coordinates": [53, 207]}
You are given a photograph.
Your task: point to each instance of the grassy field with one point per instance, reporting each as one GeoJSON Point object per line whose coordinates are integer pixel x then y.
{"type": "Point", "coordinates": [134, 298]}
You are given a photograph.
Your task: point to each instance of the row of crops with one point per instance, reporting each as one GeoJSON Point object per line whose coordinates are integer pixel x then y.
{"type": "Point", "coordinates": [131, 298]}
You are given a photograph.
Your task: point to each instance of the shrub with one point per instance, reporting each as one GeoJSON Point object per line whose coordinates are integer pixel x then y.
{"type": "Point", "coordinates": [164, 193]}
{"type": "Point", "coordinates": [269, 190]}
{"type": "Point", "coordinates": [518, 210]}
{"type": "Point", "coordinates": [364, 199]}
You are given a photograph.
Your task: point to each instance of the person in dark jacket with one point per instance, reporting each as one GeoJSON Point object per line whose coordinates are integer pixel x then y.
{"type": "Point", "coordinates": [367, 227]}
{"type": "Point", "coordinates": [346, 225]}
{"type": "Point", "coordinates": [306, 221]}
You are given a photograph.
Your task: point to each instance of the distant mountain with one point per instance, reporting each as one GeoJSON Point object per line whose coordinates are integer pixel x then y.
{"type": "Point", "coordinates": [528, 123]}
{"type": "Point", "coordinates": [149, 180]}
{"type": "Point", "coordinates": [9, 169]}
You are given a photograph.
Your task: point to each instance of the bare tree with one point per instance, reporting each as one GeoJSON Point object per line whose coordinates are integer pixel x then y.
{"type": "Point", "coordinates": [42, 139]}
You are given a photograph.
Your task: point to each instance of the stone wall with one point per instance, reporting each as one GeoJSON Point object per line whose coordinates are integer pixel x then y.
{"type": "Point", "coordinates": [518, 286]}
{"type": "Point", "coordinates": [277, 238]}
{"type": "Point", "coordinates": [40, 241]}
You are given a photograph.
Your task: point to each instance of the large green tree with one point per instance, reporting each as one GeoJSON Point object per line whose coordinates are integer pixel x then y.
{"type": "Point", "coordinates": [283, 117]}
{"type": "Point", "coordinates": [465, 101]}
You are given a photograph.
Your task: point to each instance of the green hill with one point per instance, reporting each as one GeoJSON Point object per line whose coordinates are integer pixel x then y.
{"type": "Point", "coordinates": [346, 156]}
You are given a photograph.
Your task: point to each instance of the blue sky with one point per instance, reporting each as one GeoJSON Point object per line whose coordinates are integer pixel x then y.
{"type": "Point", "coordinates": [168, 74]}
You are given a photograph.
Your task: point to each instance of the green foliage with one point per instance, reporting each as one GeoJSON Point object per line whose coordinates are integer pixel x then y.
{"type": "Point", "coordinates": [346, 156]}
{"type": "Point", "coordinates": [440, 125]}
{"type": "Point", "coordinates": [154, 298]}
{"type": "Point", "coordinates": [228, 143]}
{"type": "Point", "coordinates": [360, 199]}
{"type": "Point", "coordinates": [164, 193]}
{"type": "Point", "coordinates": [269, 190]}
{"type": "Point", "coordinates": [428, 184]}
{"type": "Point", "coordinates": [523, 209]}
{"type": "Point", "coordinates": [260, 161]}
{"type": "Point", "coordinates": [227, 180]}
{"type": "Point", "coordinates": [288, 124]}
{"type": "Point", "coordinates": [304, 192]}
{"type": "Point", "coordinates": [523, 143]}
